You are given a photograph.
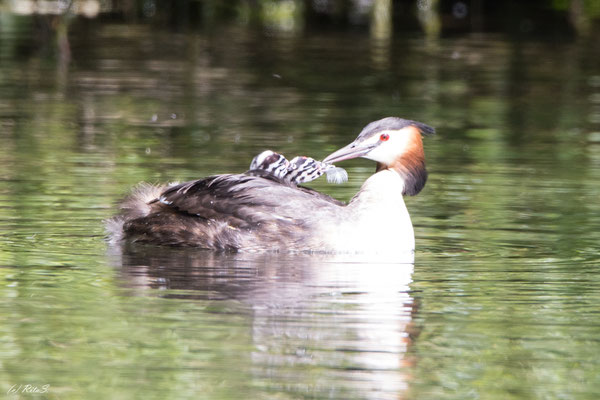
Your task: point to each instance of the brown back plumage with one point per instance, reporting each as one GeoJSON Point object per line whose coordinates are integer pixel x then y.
{"type": "Point", "coordinates": [228, 212]}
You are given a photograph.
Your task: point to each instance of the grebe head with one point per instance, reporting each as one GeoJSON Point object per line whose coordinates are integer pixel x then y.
{"type": "Point", "coordinates": [272, 162]}
{"type": "Point", "coordinates": [394, 143]}
{"type": "Point", "coordinates": [304, 169]}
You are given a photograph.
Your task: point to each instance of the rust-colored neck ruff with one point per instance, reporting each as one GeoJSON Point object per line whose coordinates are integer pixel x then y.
{"type": "Point", "coordinates": [410, 165]}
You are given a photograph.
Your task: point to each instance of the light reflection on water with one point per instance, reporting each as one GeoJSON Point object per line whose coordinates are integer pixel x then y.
{"type": "Point", "coordinates": [317, 325]}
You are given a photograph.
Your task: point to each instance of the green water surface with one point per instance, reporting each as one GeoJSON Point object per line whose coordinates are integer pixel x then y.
{"type": "Point", "coordinates": [504, 299]}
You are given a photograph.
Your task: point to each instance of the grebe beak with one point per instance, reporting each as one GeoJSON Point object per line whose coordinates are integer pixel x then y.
{"type": "Point", "coordinates": [353, 150]}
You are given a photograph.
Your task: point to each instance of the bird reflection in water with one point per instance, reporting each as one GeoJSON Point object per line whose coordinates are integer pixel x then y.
{"type": "Point", "coordinates": [351, 320]}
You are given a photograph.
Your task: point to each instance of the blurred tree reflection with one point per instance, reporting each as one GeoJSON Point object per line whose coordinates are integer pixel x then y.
{"type": "Point", "coordinates": [382, 16]}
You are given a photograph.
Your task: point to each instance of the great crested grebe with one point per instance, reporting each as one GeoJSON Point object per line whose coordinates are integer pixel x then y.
{"type": "Point", "coordinates": [259, 211]}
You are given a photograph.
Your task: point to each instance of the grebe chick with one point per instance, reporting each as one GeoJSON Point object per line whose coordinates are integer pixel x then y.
{"type": "Point", "coordinates": [271, 162]}
{"type": "Point", "coordinates": [263, 212]}
{"type": "Point", "coordinates": [305, 169]}
{"type": "Point", "coordinates": [299, 170]}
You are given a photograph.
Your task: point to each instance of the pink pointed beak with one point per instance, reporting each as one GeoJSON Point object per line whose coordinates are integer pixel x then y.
{"type": "Point", "coordinates": [353, 150]}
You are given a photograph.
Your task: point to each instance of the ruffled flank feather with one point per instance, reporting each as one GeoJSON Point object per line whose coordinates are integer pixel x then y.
{"type": "Point", "coordinates": [135, 205]}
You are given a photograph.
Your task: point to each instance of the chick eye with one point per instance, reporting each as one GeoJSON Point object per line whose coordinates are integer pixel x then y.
{"type": "Point", "coordinates": [384, 137]}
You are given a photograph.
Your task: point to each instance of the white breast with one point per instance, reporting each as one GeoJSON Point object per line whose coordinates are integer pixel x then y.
{"type": "Point", "coordinates": [377, 221]}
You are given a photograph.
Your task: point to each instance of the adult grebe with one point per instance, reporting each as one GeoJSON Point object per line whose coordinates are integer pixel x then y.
{"type": "Point", "coordinates": [258, 211]}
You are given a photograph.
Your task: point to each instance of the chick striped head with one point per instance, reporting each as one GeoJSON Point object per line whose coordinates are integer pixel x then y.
{"type": "Point", "coordinates": [272, 162]}
{"type": "Point", "coordinates": [304, 169]}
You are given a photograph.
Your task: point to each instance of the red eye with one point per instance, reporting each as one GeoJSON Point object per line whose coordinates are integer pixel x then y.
{"type": "Point", "coordinates": [384, 137]}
